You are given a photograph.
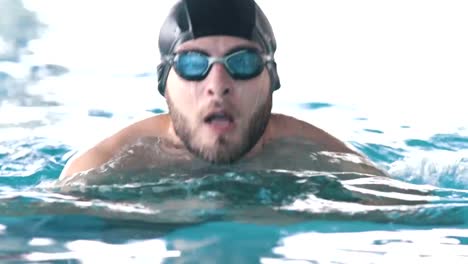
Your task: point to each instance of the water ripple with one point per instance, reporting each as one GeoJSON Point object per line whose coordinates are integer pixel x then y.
{"type": "Point", "coordinates": [28, 162]}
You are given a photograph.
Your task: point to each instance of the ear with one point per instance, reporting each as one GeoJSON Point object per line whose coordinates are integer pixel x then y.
{"type": "Point", "coordinates": [274, 78]}
{"type": "Point", "coordinates": [163, 72]}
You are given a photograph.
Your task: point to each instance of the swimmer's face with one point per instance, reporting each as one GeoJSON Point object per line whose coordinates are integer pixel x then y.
{"type": "Point", "coordinates": [219, 118]}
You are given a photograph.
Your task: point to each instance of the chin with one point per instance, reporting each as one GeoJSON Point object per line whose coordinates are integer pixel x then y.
{"type": "Point", "coordinates": [220, 152]}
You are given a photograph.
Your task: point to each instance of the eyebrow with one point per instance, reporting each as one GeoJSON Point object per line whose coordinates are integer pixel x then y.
{"type": "Point", "coordinates": [241, 47]}
{"type": "Point", "coordinates": [233, 49]}
{"type": "Point", "coordinates": [193, 49]}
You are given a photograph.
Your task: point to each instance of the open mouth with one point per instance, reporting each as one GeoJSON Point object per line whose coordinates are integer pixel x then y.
{"type": "Point", "coordinates": [220, 122]}
{"type": "Point", "coordinates": [218, 117]}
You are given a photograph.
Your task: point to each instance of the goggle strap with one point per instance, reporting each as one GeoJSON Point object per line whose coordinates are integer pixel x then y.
{"type": "Point", "coordinates": [268, 57]}
{"type": "Point", "coordinates": [168, 58]}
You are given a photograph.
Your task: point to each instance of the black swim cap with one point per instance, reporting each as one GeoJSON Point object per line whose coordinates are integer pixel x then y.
{"type": "Point", "coordinates": [191, 19]}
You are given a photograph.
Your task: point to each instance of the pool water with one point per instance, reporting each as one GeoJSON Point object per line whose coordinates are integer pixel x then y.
{"type": "Point", "coordinates": [62, 90]}
{"type": "Point", "coordinates": [223, 216]}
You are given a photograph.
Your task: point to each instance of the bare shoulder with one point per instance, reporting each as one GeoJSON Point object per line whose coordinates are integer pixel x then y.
{"type": "Point", "coordinates": [150, 127]}
{"type": "Point", "coordinates": [288, 126]}
{"type": "Point", "coordinates": [155, 126]}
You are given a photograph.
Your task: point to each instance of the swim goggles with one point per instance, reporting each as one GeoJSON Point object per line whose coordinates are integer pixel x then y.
{"type": "Point", "coordinates": [241, 64]}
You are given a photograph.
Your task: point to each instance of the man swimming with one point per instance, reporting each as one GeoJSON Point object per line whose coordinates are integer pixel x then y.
{"type": "Point", "coordinates": [217, 74]}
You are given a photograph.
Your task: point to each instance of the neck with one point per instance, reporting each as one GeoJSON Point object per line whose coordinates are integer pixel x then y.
{"type": "Point", "coordinates": [172, 136]}
{"type": "Point", "coordinates": [264, 139]}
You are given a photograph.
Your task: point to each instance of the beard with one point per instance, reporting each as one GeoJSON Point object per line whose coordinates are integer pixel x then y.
{"type": "Point", "coordinates": [222, 151]}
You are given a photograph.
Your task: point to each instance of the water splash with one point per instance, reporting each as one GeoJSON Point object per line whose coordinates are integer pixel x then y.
{"type": "Point", "coordinates": [440, 168]}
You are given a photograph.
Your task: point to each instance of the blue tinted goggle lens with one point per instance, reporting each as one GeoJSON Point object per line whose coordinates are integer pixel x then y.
{"type": "Point", "coordinates": [242, 64]}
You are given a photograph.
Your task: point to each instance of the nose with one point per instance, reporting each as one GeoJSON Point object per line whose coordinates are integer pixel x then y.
{"type": "Point", "coordinates": [218, 82]}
